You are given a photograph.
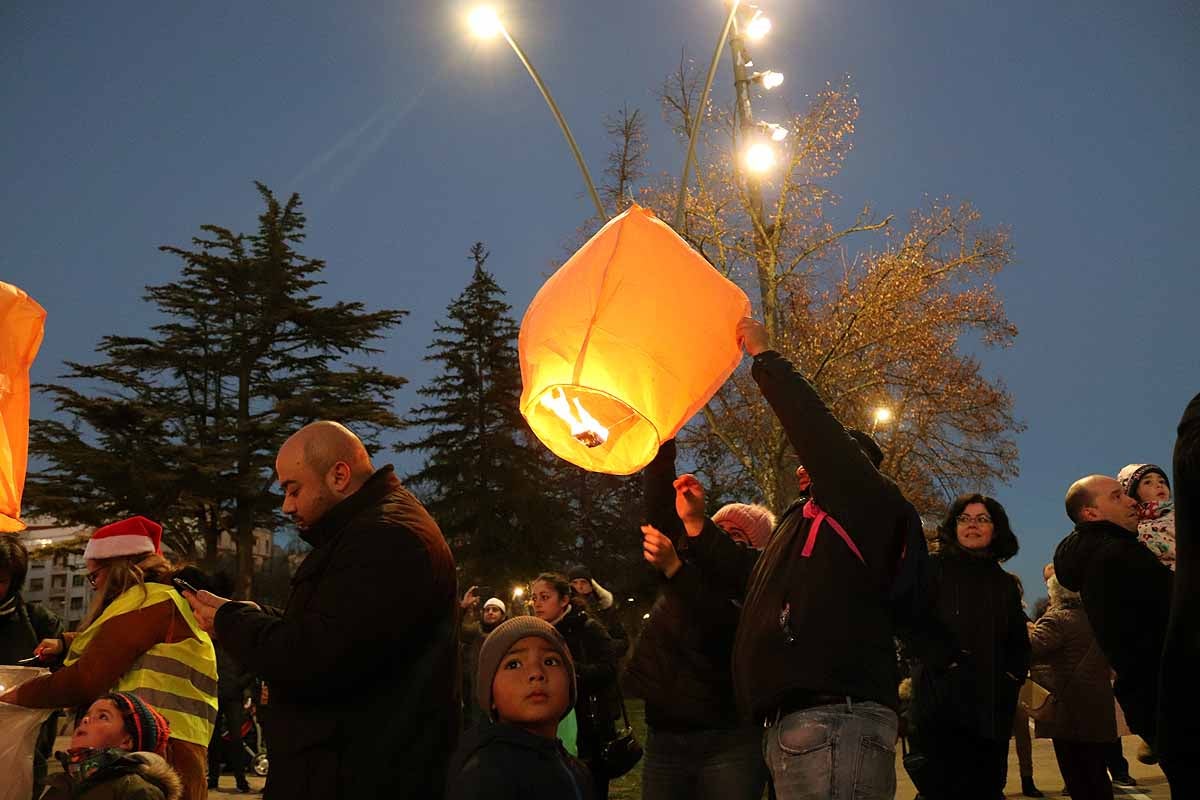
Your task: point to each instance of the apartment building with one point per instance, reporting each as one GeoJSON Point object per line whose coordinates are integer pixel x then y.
{"type": "Point", "coordinates": [57, 579]}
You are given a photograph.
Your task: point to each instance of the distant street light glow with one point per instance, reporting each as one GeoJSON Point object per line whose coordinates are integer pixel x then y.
{"type": "Point", "coordinates": [484, 22]}
{"type": "Point", "coordinates": [771, 79]}
{"type": "Point", "coordinates": [518, 593]}
{"type": "Point", "coordinates": [759, 26]}
{"type": "Point", "coordinates": [760, 157]}
{"type": "Point", "coordinates": [883, 415]}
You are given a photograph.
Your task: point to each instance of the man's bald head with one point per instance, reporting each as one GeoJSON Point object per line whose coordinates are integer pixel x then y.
{"type": "Point", "coordinates": [324, 443]}
{"type": "Point", "coordinates": [319, 466]}
{"type": "Point", "coordinates": [1101, 498]}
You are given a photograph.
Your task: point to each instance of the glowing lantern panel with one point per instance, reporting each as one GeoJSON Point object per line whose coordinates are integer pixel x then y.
{"type": "Point", "coordinates": [625, 343]}
{"type": "Point", "coordinates": [22, 321]}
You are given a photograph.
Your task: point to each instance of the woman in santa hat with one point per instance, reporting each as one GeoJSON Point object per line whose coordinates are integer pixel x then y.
{"type": "Point", "coordinates": [139, 637]}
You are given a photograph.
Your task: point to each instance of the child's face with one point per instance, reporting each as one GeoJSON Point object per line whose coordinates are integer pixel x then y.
{"type": "Point", "coordinates": [1152, 487]}
{"type": "Point", "coordinates": [530, 689]}
{"type": "Point", "coordinates": [102, 727]}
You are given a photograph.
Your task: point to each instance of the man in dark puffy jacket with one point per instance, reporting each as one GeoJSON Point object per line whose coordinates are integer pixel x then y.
{"type": "Point", "coordinates": [1126, 592]}
{"type": "Point", "coordinates": [369, 635]}
{"type": "Point", "coordinates": [814, 657]}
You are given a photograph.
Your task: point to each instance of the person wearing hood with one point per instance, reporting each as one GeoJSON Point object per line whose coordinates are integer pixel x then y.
{"type": "Point", "coordinates": [697, 747]}
{"type": "Point", "coordinates": [600, 605]}
{"type": "Point", "coordinates": [116, 753]}
{"type": "Point", "coordinates": [1126, 592]}
{"type": "Point", "coordinates": [525, 685]}
{"type": "Point", "coordinates": [1084, 723]}
{"type": "Point", "coordinates": [1151, 488]}
{"type": "Point", "coordinates": [964, 705]}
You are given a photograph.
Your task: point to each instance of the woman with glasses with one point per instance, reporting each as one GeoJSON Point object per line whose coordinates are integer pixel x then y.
{"type": "Point", "coordinates": [965, 685]}
{"type": "Point", "coordinates": [139, 636]}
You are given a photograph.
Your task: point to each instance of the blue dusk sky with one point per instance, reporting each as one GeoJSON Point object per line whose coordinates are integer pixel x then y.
{"type": "Point", "coordinates": [128, 125]}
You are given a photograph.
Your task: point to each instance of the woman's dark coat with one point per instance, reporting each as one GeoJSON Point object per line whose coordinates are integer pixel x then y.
{"type": "Point", "coordinates": [596, 679]}
{"type": "Point", "coordinates": [974, 687]}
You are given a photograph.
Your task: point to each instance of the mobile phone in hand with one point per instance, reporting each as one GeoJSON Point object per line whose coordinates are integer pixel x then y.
{"type": "Point", "coordinates": [184, 586]}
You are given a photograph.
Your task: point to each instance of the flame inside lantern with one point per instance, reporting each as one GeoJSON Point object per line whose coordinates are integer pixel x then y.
{"type": "Point", "coordinates": [584, 427]}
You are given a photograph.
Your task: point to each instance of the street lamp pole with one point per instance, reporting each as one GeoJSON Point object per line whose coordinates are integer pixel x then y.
{"type": "Point", "coordinates": [690, 159]}
{"type": "Point", "coordinates": [745, 120]}
{"type": "Point", "coordinates": [487, 22]}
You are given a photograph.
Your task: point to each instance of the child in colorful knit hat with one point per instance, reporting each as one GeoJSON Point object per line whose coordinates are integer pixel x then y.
{"type": "Point", "coordinates": [116, 753]}
{"type": "Point", "coordinates": [1149, 486]}
{"type": "Point", "coordinates": [525, 686]}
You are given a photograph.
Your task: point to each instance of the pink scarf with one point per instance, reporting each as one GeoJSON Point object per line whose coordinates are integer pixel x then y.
{"type": "Point", "coordinates": [818, 515]}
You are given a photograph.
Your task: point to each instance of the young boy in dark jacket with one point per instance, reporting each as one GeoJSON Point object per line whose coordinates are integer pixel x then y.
{"type": "Point", "coordinates": [525, 687]}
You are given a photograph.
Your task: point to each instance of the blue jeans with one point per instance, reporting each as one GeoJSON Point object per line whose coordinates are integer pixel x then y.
{"type": "Point", "coordinates": [836, 752]}
{"type": "Point", "coordinates": [699, 765]}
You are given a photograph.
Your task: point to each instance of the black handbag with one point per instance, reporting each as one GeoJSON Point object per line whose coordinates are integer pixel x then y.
{"type": "Point", "coordinates": [921, 771]}
{"type": "Point", "coordinates": [620, 754]}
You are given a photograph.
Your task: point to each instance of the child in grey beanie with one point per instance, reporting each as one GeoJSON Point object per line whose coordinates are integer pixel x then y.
{"type": "Point", "coordinates": [526, 686]}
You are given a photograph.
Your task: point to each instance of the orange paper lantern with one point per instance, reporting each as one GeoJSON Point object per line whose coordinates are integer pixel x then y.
{"type": "Point", "coordinates": [625, 343]}
{"type": "Point", "coordinates": [22, 321]}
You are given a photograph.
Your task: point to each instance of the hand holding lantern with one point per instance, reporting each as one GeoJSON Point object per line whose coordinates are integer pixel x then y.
{"type": "Point", "coordinates": [752, 336]}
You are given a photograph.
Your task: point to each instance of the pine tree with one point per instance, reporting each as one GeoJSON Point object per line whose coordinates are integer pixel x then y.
{"type": "Point", "coordinates": [183, 425]}
{"type": "Point", "coordinates": [484, 478]}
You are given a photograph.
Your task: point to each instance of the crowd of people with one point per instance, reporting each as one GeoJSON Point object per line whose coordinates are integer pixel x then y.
{"type": "Point", "coordinates": [771, 662]}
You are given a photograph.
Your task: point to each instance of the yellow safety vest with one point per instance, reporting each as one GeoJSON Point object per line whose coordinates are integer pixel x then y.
{"type": "Point", "coordinates": [179, 679]}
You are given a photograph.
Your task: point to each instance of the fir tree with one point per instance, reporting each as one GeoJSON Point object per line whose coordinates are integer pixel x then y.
{"type": "Point", "coordinates": [483, 479]}
{"type": "Point", "coordinates": [183, 425]}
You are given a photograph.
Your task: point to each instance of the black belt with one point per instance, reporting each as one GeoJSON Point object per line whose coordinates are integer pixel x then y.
{"type": "Point", "coordinates": [804, 700]}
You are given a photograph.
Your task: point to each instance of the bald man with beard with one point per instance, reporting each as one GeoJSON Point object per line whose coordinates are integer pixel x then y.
{"type": "Point", "coordinates": [362, 663]}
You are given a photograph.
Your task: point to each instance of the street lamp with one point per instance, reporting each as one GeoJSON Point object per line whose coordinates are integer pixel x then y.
{"type": "Point", "coordinates": [518, 593]}
{"type": "Point", "coordinates": [758, 27]}
{"type": "Point", "coordinates": [486, 23]}
{"type": "Point", "coordinates": [759, 158]}
{"type": "Point", "coordinates": [769, 79]}
{"type": "Point", "coordinates": [882, 416]}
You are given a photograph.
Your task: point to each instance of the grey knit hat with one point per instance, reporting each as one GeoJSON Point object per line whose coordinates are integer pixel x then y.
{"type": "Point", "coordinates": [504, 637]}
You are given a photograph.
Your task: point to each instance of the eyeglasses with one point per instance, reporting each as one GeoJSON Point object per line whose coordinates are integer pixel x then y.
{"type": "Point", "coordinates": [967, 519]}
{"type": "Point", "coordinates": [91, 576]}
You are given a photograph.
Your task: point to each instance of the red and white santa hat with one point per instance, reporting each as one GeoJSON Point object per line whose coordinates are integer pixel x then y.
{"type": "Point", "coordinates": [128, 537]}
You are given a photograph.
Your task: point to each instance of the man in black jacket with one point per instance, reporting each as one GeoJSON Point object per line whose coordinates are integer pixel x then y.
{"type": "Point", "coordinates": [1126, 592]}
{"type": "Point", "coordinates": [814, 658]}
{"type": "Point", "coordinates": [363, 663]}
